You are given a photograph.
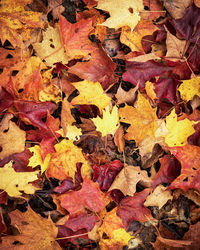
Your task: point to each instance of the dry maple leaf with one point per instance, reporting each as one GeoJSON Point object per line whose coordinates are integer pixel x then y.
{"type": "Point", "coordinates": [142, 119]}
{"type": "Point", "coordinates": [35, 232]}
{"type": "Point", "coordinates": [16, 182]}
{"type": "Point", "coordinates": [91, 93]}
{"type": "Point", "coordinates": [189, 88]}
{"type": "Point", "coordinates": [63, 162]}
{"type": "Point", "coordinates": [109, 123]}
{"type": "Point", "coordinates": [188, 156]}
{"type": "Point", "coordinates": [158, 197]}
{"type": "Point", "coordinates": [113, 227]}
{"type": "Point", "coordinates": [128, 178]}
{"type": "Point", "coordinates": [122, 13]}
{"type": "Point", "coordinates": [126, 96]}
{"type": "Point", "coordinates": [12, 138]}
{"type": "Point", "coordinates": [179, 131]}
{"type": "Point", "coordinates": [89, 196]}
{"type": "Point", "coordinates": [16, 24]}
{"type": "Point", "coordinates": [51, 49]}
{"type": "Point", "coordinates": [133, 39]}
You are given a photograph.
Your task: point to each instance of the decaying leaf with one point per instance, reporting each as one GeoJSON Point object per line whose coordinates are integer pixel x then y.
{"type": "Point", "coordinates": [128, 178]}
{"type": "Point", "coordinates": [16, 182]}
{"type": "Point", "coordinates": [35, 232]}
{"type": "Point", "coordinates": [158, 197]}
{"type": "Point", "coordinates": [189, 88]}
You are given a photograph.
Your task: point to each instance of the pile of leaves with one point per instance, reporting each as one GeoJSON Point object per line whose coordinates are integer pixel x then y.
{"type": "Point", "coordinates": [99, 124]}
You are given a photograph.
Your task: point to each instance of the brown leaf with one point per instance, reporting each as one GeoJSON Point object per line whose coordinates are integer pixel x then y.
{"type": "Point", "coordinates": [126, 96]}
{"type": "Point", "coordinates": [119, 139]}
{"type": "Point", "coordinates": [128, 178]}
{"type": "Point", "coordinates": [177, 8]}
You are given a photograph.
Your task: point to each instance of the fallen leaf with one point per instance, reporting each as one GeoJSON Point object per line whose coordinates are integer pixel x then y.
{"type": "Point", "coordinates": [143, 118]}
{"type": "Point", "coordinates": [51, 49]}
{"type": "Point", "coordinates": [89, 196]}
{"type": "Point", "coordinates": [16, 182]}
{"type": "Point", "coordinates": [125, 96]}
{"type": "Point", "coordinates": [123, 13]}
{"type": "Point", "coordinates": [35, 232]}
{"type": "Point", "coordinates": [132, 208]}
{"type": "Point", "coordinates": [64, 161]}
{"type": "Point", "coordinates": [133, 39]}
{"type": "Point", "coordinates": [105, 174]}
{"type": "Point", "coordinates": [16, 23]}
{"type": "Point", "coordinates": [109, 123]}
{"type": "Point", "coordinates": [12, 138]}
{"type": "Point", "coordinates": [189, 88]}
{"type": "Point", "coordinates": [128, 178]}
{"type": "Point", "coordinates": [158, 197]}
{"type": "Point", "coordinates": [119, 139]}
{"type": "Point", "coordinates": [188, 156]}
{"type": "Point", "coordinates": [179, 131]}
{"type": "Point", "coordinates": [91, 93]}
{"type": "Point", "coordinates": [177, 8]}
{"type": "Point", "coordinates": [175, 47]}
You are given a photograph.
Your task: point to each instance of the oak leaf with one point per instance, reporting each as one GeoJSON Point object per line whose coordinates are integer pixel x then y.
{"type": "Point", "coordinates": [123, 13]}
{"type": "Point", "coordinates": [35, 232]}
{"type": "Point", "coordinates": [12, 138]}
{"type": "Point", "coordinates": [63, 162]}
{"type": "Point", "coordinates": [128, 178]}
{"type": "Point", "coordinates": [109, 123]}
{"type": "Point", "coordinates": [143, 118]}
{"type": "Point", "coordinates": [179, 131]}
{"type": "Point", "coordinates": [89, 197]}
{"type": "Point", "coordinates": [16, 182]}
{"type": "Point", "coordinates": [91, 93]}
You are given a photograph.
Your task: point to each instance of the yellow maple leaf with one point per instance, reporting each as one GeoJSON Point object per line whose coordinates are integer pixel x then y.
{"type": "Point", "coordinates": [91, 93]}
{"type": "Point", "coordinates": [51, 49]}
{"type": "Point", "coordinates": [16, 182]}
{"type": "Point", "coordinates": [73, 133]}
{"type": "Point", "coordinates": [50, 93]}
{"type": "Point", "coordinates": [16, 24]}
{"type": "Point", "coordinates": [133, 39]}
{"type": "Point", "coordinates": [190, 88]}
{"type": "Point", "coordinates": [36, 159]}
{"type": "Point", "coordinates": [63, 162]}
{"type": "Point", "coordinates": [178, 130]}
{"type": "Point", "coordinates": [122, 13]}
{"type": "Point", "coordinates": [113, 227]}
{"type": "Point", "coordinates": [142, 119]}
{"type": "Point", "coordinates": [109, 123]}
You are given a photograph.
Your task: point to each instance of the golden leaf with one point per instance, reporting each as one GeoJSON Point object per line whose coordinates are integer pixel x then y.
{"type": "Point", "coordinates": [178, 130]}
{"type": "Point", "coordinates": [190, 88]}
{"type": "Point", "coordinates": [16, 182]}
{"type": "Point", "coordinates": [142, 119]}
{"type": "Point", "coordinates": [90, 93]}
{"type": "Point", "coordinates": [109, 123]}
{"type": "Point", "coordinates": [122, 13]}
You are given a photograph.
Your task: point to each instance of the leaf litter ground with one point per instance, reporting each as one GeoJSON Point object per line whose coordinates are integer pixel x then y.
{"type": "Point", "coordinates": [99, 129]}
